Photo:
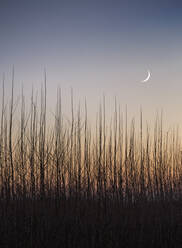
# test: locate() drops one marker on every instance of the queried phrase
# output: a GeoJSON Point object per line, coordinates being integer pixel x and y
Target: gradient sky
{"type": "Point", "coordinates": [96, 47]}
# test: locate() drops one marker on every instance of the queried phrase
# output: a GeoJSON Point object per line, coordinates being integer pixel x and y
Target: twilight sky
{"type": "Point", "coordinates": [96, 47]}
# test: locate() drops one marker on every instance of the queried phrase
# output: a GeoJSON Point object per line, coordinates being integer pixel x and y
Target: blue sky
{"type": "Point", "coordinates": [96, 47]}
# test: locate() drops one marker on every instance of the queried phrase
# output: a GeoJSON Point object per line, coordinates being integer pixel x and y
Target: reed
{"type": "Point", "coordinates": [73, 160]}
{"type": "Point", "coordinates": [71, 168]}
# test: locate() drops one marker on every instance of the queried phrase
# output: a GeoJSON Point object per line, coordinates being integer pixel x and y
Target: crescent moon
{"type": "Point", "coordinates": [147, 78]}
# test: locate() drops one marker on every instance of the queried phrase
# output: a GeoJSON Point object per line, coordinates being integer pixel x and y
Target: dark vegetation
{"type": "Point", "coordinates": [68, 184]}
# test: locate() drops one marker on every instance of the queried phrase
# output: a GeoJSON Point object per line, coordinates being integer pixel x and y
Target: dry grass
{"type": "Point", "coordinates": [69, 185]}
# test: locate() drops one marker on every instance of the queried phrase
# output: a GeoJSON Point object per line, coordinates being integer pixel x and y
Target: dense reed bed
{"type": "Point", "coordinates": [70, 184]}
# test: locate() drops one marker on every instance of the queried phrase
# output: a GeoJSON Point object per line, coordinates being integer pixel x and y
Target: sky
{"type": "Point", "coordinates": [96, 48]}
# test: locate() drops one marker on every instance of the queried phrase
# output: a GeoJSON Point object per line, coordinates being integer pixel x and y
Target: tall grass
{"type": "Point", "coordinates": [117, 161]}
{"type": "Point", "coordinates": [70, 183]}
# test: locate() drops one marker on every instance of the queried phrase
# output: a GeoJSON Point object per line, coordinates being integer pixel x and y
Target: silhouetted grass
{"type": "Point", "coordinates": [73, 185]}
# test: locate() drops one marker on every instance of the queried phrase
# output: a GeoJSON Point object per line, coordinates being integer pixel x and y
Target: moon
{"type": "Point", "coordinates": [147, 78]}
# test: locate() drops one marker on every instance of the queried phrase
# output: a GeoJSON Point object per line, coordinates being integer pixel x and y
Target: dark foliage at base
{"type": "Point", "coordinates": [86, 224]}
